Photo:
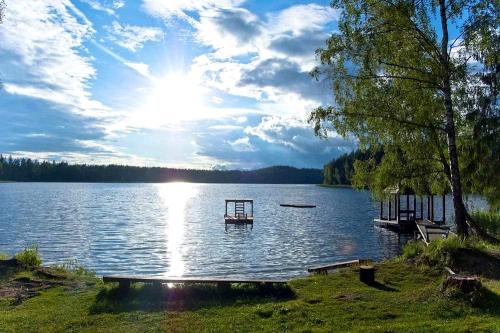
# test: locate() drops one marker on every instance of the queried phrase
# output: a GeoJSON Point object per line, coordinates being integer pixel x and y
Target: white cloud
{"type": "Point", "coordinates": [301, 18]}
{"type": "Point", "coordinates": [96, 5]}
{"type": "Point", "coordinates": [242, 145]}
{"type": "Point", "coordinates": [139, 67]}
{"type": "Point", "coordinates": [133, 37]}
{"type": "Point", "coordinates": [118, 3]}
{"type": "Point", "coordinates": [43, 41]}
{"type": "Point", "coordinates": [230, 32]}
{"type": "Point", "coordinates": [168, 8]}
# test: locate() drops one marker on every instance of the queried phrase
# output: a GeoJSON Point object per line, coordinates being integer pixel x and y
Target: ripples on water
{"type": "Point", "coordinates": [178, 229]}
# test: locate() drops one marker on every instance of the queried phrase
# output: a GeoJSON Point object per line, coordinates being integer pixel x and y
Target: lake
{"type": "Point", "coordinates": [177, 229]}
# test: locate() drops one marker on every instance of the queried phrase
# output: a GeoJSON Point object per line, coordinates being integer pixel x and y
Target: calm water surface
{"type": "Point", "coordinates": [178, 229]}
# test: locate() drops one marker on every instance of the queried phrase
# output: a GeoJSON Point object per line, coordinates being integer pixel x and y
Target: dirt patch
{"type": "Point", "coordinates": [24, 288]}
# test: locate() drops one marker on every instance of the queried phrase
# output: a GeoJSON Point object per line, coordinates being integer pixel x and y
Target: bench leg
{"type": "Point", "coordinates": [124, 285]}
{"type": "Point", "coordinates": [223, 285]}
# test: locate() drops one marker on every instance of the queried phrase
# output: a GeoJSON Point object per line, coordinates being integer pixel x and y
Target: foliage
{"type": "Point", "coordinates": [29, 257]}
{"type": "Point", "coordinates": [445, 252]}
{"type": "Point", "coordinates": [73, 267]}
{"type": "Point", "coordinates": [400, 81]}
{"type": "Point", "coordinates": [25, 169]}
{"type": "Point", "coordinates": [488, 220]}
{"type": "Point", "coordinates": [413, 249]}
{"type": "Point", "coordinates": [3, 256]}
{"type": "Point", "coordinates": [340, 170]}
{"type": "Point", "coordinates": [405, 298]}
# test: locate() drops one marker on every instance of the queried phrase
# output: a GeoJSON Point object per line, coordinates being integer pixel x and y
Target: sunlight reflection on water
{"type": "Point", "coordinates": [175, 197]}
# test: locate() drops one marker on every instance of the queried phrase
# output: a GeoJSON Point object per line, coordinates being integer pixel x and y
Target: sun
{"type": "Point", "coordinates": [177, 97]}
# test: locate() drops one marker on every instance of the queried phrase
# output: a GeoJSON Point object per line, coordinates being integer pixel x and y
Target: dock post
{"type": "Point", "coordinates": [398, 204]}
{"type": "Point", "coordinates": [124, 285]}
{"type": "Point", "coordinates": [390, 210]}
{"type": "Point", "coordinates": [421, 208]}
{"type": "Point", "coordinates": [407, 207]}
{"type": "Point", "coordinates": [432, 208]}
{"type": "Point", "coordinates": [428, 207]}
{"type": "Point", "coordinates": [381, 209]}
{"type": "Point", "coordinates": [414, 206]}
{"type": "Point", "coordinates": [444, 208]}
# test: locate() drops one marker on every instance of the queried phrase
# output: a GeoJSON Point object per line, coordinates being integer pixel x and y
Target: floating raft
{"type": "Point", "coordinates": [240, 215]}
{"type": "Point", "coordinates": [298, 205]}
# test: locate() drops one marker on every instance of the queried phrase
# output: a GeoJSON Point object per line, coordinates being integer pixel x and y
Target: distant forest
{"type": "Point", "coordinates": [27, 170]}
{"type": "Point", "coordinates": [339, 171]}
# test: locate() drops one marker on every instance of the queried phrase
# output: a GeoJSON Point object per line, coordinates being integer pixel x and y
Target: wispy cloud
{"type": "Point", "coordinates": [133, 37]}
{"type": "Point", "coordinates": [107, 6]}
{"type": "Point", "coordinates": [44, 57]}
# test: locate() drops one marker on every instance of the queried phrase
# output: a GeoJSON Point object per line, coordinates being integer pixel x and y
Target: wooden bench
{"type": "Point", "coordinates": [126, 281]}
{"type": "Point", "coordinates": [325, 268]}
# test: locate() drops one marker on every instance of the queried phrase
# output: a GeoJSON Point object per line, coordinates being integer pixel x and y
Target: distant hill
{"type": "Point", "coordinates": [339, 171]}
{"type": "Point", "coordinates": [27, 170]}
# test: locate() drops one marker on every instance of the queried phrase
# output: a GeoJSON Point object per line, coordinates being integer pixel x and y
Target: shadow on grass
{"type": "Point", "coordinates": [380, 286]}
{"type": "Point", "coordinates": [477, 262]}
{"type": "Point", "coordinates": [160, 298]}
{"type": "Point", "coordinates": [487, 302]}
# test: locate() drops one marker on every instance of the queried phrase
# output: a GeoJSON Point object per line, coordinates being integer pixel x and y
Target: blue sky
{"type": "Point", "coordinates": [180, 83]}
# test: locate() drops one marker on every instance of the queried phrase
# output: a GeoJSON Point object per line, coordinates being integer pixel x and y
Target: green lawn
{"type": "Point", "coordinates": [405, 299]}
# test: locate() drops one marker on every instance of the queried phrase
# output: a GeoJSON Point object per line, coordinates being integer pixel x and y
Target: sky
{"type": "Point", "coordinates": [180, 83]}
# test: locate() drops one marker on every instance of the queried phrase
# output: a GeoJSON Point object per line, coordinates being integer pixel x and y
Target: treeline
{"type": "Point", "coordinates": [28, 170]}
{"type": "Point", "coordinates": [339, 171]}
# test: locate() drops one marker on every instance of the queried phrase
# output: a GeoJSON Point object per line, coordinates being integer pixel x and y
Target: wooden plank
{"type": "Point", "coordinates": [298, 206]}
{"type": "Point", "coordinates": [187, 280]}
{"type": "Point", "coordinates": [333, 266]}
{"type": "Point", "coordinates": [431, 231]}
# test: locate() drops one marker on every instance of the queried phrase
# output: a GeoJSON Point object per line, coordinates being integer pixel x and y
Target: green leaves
{"type": "Point", "coordinates": [389, 76]}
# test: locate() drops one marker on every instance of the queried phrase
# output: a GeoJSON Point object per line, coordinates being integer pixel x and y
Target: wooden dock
{"type": "Point", "coordinates": [405, 220]}
{"type": "Point", "coordinates": [126, 281]}
{"type": "Point", "coordinates": [430, 231]}
{"type": "Point", "coordinates": [398, 225]}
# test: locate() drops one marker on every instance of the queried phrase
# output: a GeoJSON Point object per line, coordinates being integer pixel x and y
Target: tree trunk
{"type": "Point", "coordinates": [455, 182]}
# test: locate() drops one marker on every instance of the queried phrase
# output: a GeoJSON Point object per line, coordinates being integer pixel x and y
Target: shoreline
{"type": "Point", "coordinates": [55, 299]}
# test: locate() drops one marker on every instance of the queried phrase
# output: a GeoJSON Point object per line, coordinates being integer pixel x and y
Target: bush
{"type": "Point", "coordinates": [490, 221]}
{"type": "Point", "coordinates": [413, 249]}
{"type": "Point", "coordinates": [29, 257]}
{"type": "Point", "coordinates": [3, 256]}
{"type": "Point", "coordinates": [72, 266]}
{"type": "Point", "coordinates": [442, 251]}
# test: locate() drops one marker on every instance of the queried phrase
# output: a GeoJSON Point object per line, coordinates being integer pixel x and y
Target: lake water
{"type": "Point", "coordinates": [178, 229]}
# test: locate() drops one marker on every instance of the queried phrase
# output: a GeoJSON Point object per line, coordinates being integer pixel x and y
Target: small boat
{"type": "Point", "coordinates": [298, 206]}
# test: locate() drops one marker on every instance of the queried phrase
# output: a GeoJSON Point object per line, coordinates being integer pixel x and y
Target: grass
{"type": "Point", "coordinates": [29, 257]}
{"type": "Point", "coordinates": [489, 220]}
{"type": "Point", "coordinates": [406, 298]}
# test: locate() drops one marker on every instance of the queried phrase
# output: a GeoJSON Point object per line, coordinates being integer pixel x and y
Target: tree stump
{"type": "Point", "coordinates": [367, 274]}
{"type": "Point", "coordinates": [465, 284]}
